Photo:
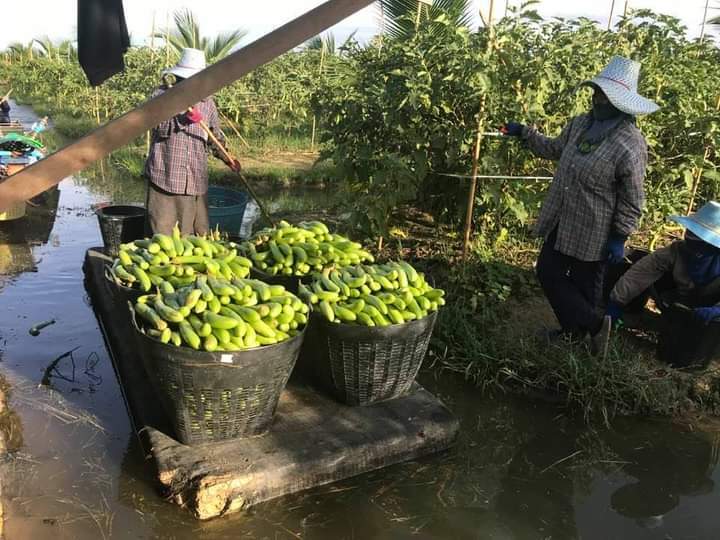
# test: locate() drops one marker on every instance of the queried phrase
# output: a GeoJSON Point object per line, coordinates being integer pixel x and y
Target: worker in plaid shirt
{"type": "Point", "coordinates": [176, 167]}
{"type": "Point", "coordinates": [594, 202]}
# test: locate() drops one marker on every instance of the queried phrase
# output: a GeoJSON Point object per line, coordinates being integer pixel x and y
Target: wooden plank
{"type": "Point", "coordinates": [313, 441]}
{"type": "Point", "coordinates": [119, 132]}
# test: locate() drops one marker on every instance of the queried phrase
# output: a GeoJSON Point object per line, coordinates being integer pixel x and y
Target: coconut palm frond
{"type": "Point", "coordinates": [186, 34]}
{"type": "Point", "coordinates": [401, 18]}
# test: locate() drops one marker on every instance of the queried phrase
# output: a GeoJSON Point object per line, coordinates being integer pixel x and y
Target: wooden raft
{"type": "Point", "coordinates": [314, 440]}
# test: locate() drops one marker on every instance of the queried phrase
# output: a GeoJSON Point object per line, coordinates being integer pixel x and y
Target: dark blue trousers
{"type": "Point", "coordinates": [573, 288]}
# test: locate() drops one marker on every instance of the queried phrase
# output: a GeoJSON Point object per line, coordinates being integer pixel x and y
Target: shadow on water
{"type": "Point", "coordinates": [520, 470]}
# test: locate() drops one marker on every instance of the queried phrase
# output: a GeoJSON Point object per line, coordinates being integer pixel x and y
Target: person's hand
{"type": "Point", "coordinates": [194, 116]}
{"type": "Point", "coordinates": [616, 249]}
{"type": "Point", "coordinates": [235, 165]}
{"type": "Point", "coordinates": [615, 311]}
{"type": "Point", "coordinates": [512, 129]}
{"type": "Point", "coordinates": [707, 314]}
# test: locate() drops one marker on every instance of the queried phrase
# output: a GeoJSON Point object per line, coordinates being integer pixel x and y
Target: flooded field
{"type": "Point", "coordinates": [520, 470]}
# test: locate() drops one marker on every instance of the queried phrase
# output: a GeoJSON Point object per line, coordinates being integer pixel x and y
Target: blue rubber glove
{"type": "Point", "coordinates": [707, 314]}
{"type": "Point", "coordinates": [512, 129]}
{"type": "Point", "coordinates": [616, 248]}
{"type": "Point", "coordinates": [615, 311]}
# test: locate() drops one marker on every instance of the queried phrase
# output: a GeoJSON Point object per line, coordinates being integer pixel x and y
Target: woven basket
{"type": "Point", "coordinates": [218, 396]}
{"type": "Point", "coordinates": [362, 365]}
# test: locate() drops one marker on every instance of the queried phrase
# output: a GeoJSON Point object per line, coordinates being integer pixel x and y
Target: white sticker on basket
{"type": "Point", "coordinates": [226, 359]}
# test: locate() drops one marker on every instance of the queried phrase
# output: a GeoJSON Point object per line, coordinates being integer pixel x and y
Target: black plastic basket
{"type": "Point", "coordinates": [119, 225]}
{"type": "Point", "coordinates": [218, 396]}
{"type": "Point", "coordinates": [686, 342]}
{"type": "Point", "coordinates": [362, 365]}
{"type": "Point", "coordinates": [291, 283]}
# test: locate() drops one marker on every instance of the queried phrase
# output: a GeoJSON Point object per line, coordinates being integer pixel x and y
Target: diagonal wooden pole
{"type": "Point", "coordinates": [80, 154]}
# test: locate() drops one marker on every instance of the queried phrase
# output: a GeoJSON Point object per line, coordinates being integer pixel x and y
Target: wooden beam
{"type": "Point", "coordinates": [80, 154]}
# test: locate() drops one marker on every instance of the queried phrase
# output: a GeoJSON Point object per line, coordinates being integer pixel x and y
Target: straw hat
{"type": "Point", "coordinates": [619, 81]}
{"type": "Point", "coordinates": [192, 61]}
{"type": "Point", "coordinates": [705, 223]}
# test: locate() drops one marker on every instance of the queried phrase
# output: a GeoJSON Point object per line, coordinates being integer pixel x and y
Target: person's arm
{"type": "Point", "coordinates": [643, 274]}
{"type": "Point", "coordinates": [547, 147]}
{"type": "Point", "coordinates": [630, 176]}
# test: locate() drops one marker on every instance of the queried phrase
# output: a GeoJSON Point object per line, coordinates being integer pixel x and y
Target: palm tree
{"type": "Point", "coordinates": [62, 50]}
{"type": "Point", "coordinates": [324, 44]}
{"type": "Point", "coordinates": [402, 18]}
{"type": "Point", "coordinates": [187, 35]}
{"type": "Point", "coordinates": [20, 51]}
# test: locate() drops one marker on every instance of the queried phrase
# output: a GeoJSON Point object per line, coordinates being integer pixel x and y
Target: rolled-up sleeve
{"type": "Point", "coordinates": [630, 176]}
{"type": "Point", "coordinates": [547, 147]}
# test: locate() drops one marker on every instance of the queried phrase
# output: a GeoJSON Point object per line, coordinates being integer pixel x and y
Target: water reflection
{"type": "Point", "coordinates": [665, 466]}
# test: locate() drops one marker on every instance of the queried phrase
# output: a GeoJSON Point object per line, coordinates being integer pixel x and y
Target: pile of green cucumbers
{"type": "Point", "coordinates": [215, 314]}
{"type": "Point", "coordinates": [298, 250]}
{"type": "Point", "coordinates": [372, 295]}
{"type": "Point", "coordinates": [145, 264]}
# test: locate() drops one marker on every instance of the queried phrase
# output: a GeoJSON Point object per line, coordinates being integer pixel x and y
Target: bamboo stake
{"type": "Point", "coordinates": [97, 105]}
{"type": "Point", "coordinates": [167, 39]}
{"type": "Point", "coordinates": [152, 39]}
{"type": "Point", "coordinates": [476, 150]}
{"type": "Point", "coordinates": [625, 10]}
{"type": "Point", "coordinates": [612, 10]}
{"type": "Point", "coordinates": [704, 21]}
{"type": "Point", "coordinates": [235, 129]}
{"type": "Point", "coordinates": [314, 119]}
{"type": "Point", "coordinates": [696, 180]}
{"type": "Point", "coordinates": [417, 19]}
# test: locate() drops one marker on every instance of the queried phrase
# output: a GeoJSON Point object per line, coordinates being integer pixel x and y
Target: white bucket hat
{"type": "Point", "coordinates": [191, 62]}
{"type": "Point", "coordinates": [619, 81]}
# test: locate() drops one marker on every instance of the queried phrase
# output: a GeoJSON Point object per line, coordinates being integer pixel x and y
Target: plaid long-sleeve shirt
{"type": "Point", "coordinates": [177, 162]}
{"type": "Point", "coordinates": [592, 195]}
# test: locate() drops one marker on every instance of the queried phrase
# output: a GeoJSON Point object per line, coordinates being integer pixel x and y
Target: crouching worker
{"type": "Point", "coordinates": [691, 267]}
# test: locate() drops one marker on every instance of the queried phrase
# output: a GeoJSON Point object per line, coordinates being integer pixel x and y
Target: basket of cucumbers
{"type": "Point", "coordinates": [369, 330]}
{"type": "Point", "coordinates": [219, 353]}
{"type": "Point", "coordinates": [289, 254]}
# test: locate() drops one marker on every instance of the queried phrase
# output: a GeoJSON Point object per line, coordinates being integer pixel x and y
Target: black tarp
{"type": "Point", "coordinates": [102, 38]}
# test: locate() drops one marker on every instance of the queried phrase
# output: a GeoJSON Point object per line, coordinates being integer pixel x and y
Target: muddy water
{"type": "Point", "coordinates": [520, 471]}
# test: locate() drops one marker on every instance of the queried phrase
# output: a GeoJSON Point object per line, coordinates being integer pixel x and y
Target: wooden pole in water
{"type": "Point", "coordinates": [46, 173]}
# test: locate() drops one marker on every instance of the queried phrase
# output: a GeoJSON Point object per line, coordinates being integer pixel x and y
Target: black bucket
{"type": "Point", "coordinates": [616, 271]}
{"type": "Point", "coordinates": [119, 225]}
{"type": "Point", "coordinates": [686, 342]}
{"type": "Point", "coordinates": [362, 365]}
{"type": "Point", "coordinates": [217, 396]}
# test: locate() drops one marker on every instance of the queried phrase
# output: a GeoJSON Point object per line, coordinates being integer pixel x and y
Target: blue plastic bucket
{"type": "Point", "coordinates": [226, 209]}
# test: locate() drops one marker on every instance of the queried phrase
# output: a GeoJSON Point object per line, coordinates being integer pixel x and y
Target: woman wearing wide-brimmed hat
{"type": "Point", "coordinates": [594, 201]}
{"type": "Point", "coordinates": [176, 167]}
{"type": "Point", "coordinates": [688, 269]}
